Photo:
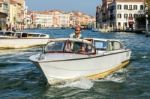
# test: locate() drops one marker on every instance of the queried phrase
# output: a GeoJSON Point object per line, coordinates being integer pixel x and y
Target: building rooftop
{"type": "Point", "coordinates": [18, 1]}
{"type": "Point", "coordinates": [129, 0]}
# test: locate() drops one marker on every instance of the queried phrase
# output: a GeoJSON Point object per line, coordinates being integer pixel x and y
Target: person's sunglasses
{"type": "Point", "coordinates": [77, 30]}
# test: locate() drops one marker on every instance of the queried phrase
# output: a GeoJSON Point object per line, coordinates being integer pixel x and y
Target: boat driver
{"type": "Point", "coordinates": [77, 33]}
{"type": "Point", "coordinates": [77, 47]}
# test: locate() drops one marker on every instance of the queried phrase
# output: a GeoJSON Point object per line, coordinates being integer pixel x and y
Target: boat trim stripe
{"type": "Point", "coordinates": [104, 74]}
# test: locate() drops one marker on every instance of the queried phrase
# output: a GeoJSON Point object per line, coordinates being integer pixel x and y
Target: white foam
{"type": "Point", "coordinates": [144, 57]}
{"type": "Point", "coordinates": [83, 83]}
{"type": "Point", "coordinates": [115, 77]}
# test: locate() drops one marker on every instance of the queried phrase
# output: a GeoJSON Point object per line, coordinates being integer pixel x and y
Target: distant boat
{"type": "Point", "coordinates": [9, 39]}
{"type": "Point", "coordinates": [65, 27]}
{"type": "Point", "coordinates": [147, 34]}
{"type": "Point", "coordinates": [95, 30]}
{"type": "Point", "coordinates": [55, 28]}
{"type": "Point", "coordinates": [68, 59]}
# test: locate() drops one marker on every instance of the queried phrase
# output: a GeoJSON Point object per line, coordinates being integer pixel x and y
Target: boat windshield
{"type": "Point", "coordinates": [55, 47]}
{"type": "Point", "coordinates": [33, 35]}
{"type": "Point", "coordinates": [1, 33]}
{"type": "Point", "coordinates": [9, 34]}
{"type": "Point", "coordinates": [43, 35]}
{"type": "Point", "coordinates": [100, 45]}
{"type": "Point", "coordinates": [70, 47]}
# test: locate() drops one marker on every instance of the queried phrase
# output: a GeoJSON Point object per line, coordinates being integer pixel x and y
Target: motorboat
{"type": "Point", "coordinates": [69, 59]}
{"type": "Point", "coordinates": [10, 39]}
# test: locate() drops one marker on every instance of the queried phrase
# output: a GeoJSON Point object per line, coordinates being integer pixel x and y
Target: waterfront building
{"type": "Point", "coordinates": [55, 17]}
{"type": "Point", "coordinates": [120, 14]}
{"type": "Point", "coordinates": [79, 18]}
{"type": "Point", "coordinates": [58, 19]}
{"type": "Point", "coordinates": [16, 14]}
{"type": "Point", "coordinates": [28, 21]}
{"type": "Point", "coordinates": [42, 20]}
{"type": "Point", "coordinates": [103, 15]}
{"type": "Point", "coordinates": [72, 19]}
{"type": "Point", "coordinates": [98, 17]}
{"type": "Point", "coordinates": [64, 20]}
{"type": "Point", "coordinates": [4, 11]}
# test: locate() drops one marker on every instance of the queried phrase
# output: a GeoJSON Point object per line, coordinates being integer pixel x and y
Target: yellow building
{"type": "Point", "coordinates": [4, 8]}
{"type": "Point", "coordinates": [16, 13]}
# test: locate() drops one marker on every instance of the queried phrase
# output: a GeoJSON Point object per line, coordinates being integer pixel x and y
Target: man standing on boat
{"type": "Point", "coordinates": [77, 33]}
{"type": "Point", "coordinates": [77, 47]}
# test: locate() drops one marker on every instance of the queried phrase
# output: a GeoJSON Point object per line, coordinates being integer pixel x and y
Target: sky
{"type": "Point", "coordinates": [85, 6]}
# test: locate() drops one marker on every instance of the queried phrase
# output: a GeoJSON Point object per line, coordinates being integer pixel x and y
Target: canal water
{"type": "Point", "coordinates": [20, 79]}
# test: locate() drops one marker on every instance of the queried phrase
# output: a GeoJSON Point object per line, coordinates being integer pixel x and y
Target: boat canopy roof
{"type": "Point", "coordinates": [101, 39]}
{"type": "Point", "coordinates": [72, 39]}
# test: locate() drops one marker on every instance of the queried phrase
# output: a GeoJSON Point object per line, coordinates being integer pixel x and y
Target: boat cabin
{"type": "Point", "coordinates": [11, 34]}
{"type": "Point", "coordinates": [106, 44]}
{"type": "Point", "coordinates": [70, 45]}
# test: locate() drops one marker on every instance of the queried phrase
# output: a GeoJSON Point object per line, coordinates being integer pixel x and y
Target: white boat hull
{"type": "Point", "coordinates": [92, 67]}
{"type": "Point", "coordinates": [21, 42]}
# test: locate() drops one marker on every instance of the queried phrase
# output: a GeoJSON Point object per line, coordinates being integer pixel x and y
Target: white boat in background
{"type": "Point", "coordinates": [95, 30]}
{"type": "Point", "coordinates": [9, 39]}
{"type": "Point", "coordinates": [68, 59]}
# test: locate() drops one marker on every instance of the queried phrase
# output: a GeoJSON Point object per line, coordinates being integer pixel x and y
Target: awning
{"type": "Point", "coordinates": [3, 15]}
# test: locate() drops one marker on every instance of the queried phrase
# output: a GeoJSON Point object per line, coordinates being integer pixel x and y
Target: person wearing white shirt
{"type": "Point", "coordinates": [77, 33]}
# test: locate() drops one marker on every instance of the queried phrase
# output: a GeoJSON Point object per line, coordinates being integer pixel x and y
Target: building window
{"type": "Point", "coordinates": [130, 15]}
{"type": "Point", "coordinates": [119, 7]}
{"type": "Point", "coordinates": [119, 24]}
{"type": "Point", "coordinates": [135, 7]}
{"type": "Point", "coordinates": [141, 7]}
{"type": "Point", "coordinates": [130, 7]}
{"type": "Point", "coordinates": [125, 16]}
{"type": "Point", "coordinates": [125, 24]}
{"type": "Point", "coordinates": [126, 7]}
{"type": "Point", "coordinates": [135, 15]}
{"type": "Point", "coordinates": [119, 16]}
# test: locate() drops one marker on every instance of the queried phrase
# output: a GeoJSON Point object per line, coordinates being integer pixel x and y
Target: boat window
{"type": "Point", "coordinates": [79, 47]}
{"type": "Point", "coordinates": [19, 35]}
{"type": "Point", "coordinates": [24, 34]}
{"type": "Point", "coordinates": [115, 45]}
{"type": "Point", "coordinates": [42, 35]}
{"type": "Point", "coordinates": [9, 34]}
{"type": "Point", "coordinates": [55, 46]}
{"type": "Point", "coordinates": [1, 33]}
{"type": "Point", "coordinates": [33, 35]}
{"type": "Point", "coordinates": [101, 45]}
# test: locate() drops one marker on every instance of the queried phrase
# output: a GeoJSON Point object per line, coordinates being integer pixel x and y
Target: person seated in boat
{"type": "Point", "coordinates": [13, 29]}
{"type": "Point", "coordinates": [78, 47]}
{"type": "Point", "coordinates": [77, 33]}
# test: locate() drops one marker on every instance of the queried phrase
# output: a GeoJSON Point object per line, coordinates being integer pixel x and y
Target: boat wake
{"type": "Point", "coordinates": [83, 83]}
{"type": "Point", "coordinates": [118, 77]}
{"type": "Point", "coordinates": [144, 57]}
